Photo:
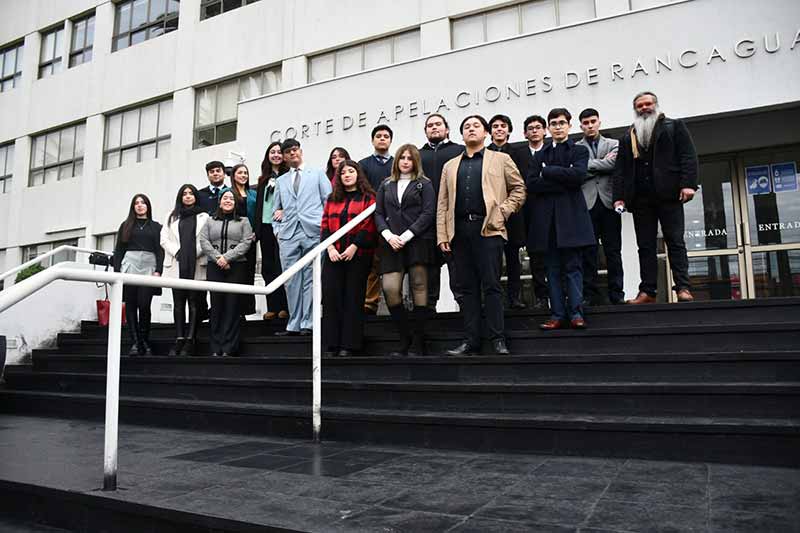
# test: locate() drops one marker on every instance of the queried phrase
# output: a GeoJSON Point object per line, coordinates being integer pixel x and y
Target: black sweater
{"type": "Point", "coordinates": [375, 170]}
{"type": "Point", "coordinates": [433, 160]}
{"type": "Point", "coordinates": [145, 238]}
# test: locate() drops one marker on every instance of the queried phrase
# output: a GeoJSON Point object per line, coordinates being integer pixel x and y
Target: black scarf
{"type": "Point", "coordinates": [187, 232]}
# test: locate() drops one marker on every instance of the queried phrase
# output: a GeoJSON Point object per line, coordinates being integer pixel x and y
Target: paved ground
{"type": "Point", "coordinates": [345, 487]}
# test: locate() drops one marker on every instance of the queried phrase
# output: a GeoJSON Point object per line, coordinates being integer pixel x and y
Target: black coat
{"type": "Point", "coordinates": [207, 201]}
{"type": "Point", "coordinates": [516, 225]}
{"type": "Point", "coordinates": [433, 160]}
{"type": "Point", "coordinates": [417, 212]}
{"type": "Point", "coordinates": [261, 189]}
{"type": "Point", "coordinates": [674, 163]}
{"type": "Point", "coordinates": [554, 193]}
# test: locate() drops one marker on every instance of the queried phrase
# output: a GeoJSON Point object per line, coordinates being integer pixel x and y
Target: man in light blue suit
{"type": "Point", "coordinates": [300, 195]}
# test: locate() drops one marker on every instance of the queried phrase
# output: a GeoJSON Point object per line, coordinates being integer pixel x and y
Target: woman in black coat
{"type": "Point", "coordinates": [405, 216]}
{"type": "Point", "coordinates": [138, 251]}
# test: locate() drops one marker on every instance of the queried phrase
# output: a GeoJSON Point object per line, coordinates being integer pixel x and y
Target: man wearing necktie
{"type": "Point", "coordinates": [300, 195]}
{"type": "Point", "coordinates": [208, 197]}
{"type": "Point", "coordinates": [377, 167]}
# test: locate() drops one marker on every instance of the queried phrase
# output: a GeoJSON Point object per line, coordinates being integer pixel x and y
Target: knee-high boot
{"type": "Point", "coordinates": [191, 335]}
{"type": "Point", "coordinates": [419, 316]}
{"type": "Point", "coordinates": [179, 316]}
{"type": "Point", "coordinates": [144, 335]}
{"type": "Point", "coordinates": [400, 318]}
{"type": "Point", "coordinates": [133, 329]}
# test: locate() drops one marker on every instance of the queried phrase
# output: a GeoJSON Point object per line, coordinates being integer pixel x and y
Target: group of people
{"type": "Point", "coordinates": [466, 206]}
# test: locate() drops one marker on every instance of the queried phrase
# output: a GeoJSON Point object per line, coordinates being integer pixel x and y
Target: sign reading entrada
{"type": "Point", "coordinates": [688, 58]}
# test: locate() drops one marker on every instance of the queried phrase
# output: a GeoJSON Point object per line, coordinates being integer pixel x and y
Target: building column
{"type": "Point", "coordinates": [92, 165]}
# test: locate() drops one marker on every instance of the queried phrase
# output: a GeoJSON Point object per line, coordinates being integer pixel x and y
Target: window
{"type": "Point", "coordinates": [52, 51]}
{"type": "Point", "coordinates": [57, 155]}
{"type": "Point", "coordinates": [10, 66]}
{"type": "Point", "coordinates": [523, 18]}
{"type": "Point", "coordinates": [2, 267]}
{"type": "Point", "coordinates": [212, 8]}
{"type": "Point", "coordinates": [106, 242]}
{"type": "Point", "coordinates": [80, 49]}
{"type": "Point", "coordinates": [373, 54]}
{"type": "Point", "coordinates": [6, 167]}
{"type": "Point", "coordinates": [215, 108]}
{"type": "Point", "coordinates": [35, 250]}
{"type": "Point", "coordinates": [138, 134]}
{"type": "Point", "coordinates": [137, 21]}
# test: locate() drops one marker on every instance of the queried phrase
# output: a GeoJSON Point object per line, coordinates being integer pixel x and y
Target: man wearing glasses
{"type": "Point", "coordinates": [560, 223]}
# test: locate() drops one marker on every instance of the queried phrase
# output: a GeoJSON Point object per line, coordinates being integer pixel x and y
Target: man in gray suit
{"type": "Point", "coordinates": [300, 195]}
{"type": "Point", "coordinates": [597, 191]}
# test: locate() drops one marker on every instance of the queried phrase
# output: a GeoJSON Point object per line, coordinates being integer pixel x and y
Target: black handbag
{"type": "Point", "coordinates": [101, 259]}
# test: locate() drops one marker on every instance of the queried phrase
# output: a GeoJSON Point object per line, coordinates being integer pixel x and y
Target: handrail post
{"type": "Point", "coordinates": [112, 388]}
{"type": "Point", "coordinates": [316, 350]}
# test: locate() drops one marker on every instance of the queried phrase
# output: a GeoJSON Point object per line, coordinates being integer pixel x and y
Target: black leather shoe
{"type": "Point", "coordinates": [541, 305]}
{"type": "Point", "coordinates": [463, 349]}
{"type": "Point", "coordinates": [500, 347]}
{"type": "Point", "coordinates": [215, 354]}
{"type": "Point", "coordinates": [345, 353]}
{"type": "Point", "coordinates": [305, 332]}
{"type": "Point", "coordinates": [286, 333]}
{"type": "Point", "coordinates": [225, 354]}
{"type": "Point", "coordinates": [516, 303]}
{"type": "Point", "coordinates": [330, 353]}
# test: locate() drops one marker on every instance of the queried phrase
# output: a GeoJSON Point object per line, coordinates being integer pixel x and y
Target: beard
{"type": "Point", "coordinates": [644, 125]}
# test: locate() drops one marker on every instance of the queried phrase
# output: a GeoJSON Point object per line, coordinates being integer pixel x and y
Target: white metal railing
{"type": "Point", "coordinates": [25, 288]}
{"type": "Point", "coordinates": [51, 253]}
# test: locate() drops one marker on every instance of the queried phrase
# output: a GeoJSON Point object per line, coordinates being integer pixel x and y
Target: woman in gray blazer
{"type": "Point", "coordinates": [225, 241]}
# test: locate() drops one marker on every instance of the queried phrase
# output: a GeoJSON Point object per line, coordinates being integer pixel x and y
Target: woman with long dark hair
{"type": "Point", "coordinates": [225, 241]}
{"type": "Point", "coordinates": [138, 251]}
{"type": "Point", "coordinates": [183, 258]}
{"type": "Point", "coordinates": [404, 216]}
{"type": "Point", "coordinates": [335, 158]}
{"type": "Point", "coordinates": [271, 168]}
{"type": "Point", "coordinates": [348, 261]}
{"type": "Point", "coordinates": [245, 198]}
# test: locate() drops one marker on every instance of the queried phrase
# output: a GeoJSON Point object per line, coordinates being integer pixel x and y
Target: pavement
{"type": "Point", "coordinates": [338, 486]}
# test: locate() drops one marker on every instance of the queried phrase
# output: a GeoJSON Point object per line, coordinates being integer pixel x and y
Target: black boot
{"type": "Point", "coordinates": [191, 337]}
{"type": "Point", "coordinates": [144, 336]}
{"type": "Point", "coordinates": [400, 318]}
{"type": "Point", "coordinates": [179, 316]}
{"type": "Point", "coordinates": [133, 330]}
{"type": "Point", "coordinates": [419, 316]}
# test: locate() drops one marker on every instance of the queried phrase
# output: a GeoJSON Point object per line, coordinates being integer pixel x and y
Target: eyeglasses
{"type": "Point", "coordinates": [537, 127]}
{"type": "Point", "coordinates": [558, 123]}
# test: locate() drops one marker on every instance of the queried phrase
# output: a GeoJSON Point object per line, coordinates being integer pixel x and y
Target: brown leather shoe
{"type": "Point", "coordinates": [551, 324]}
{"type": "Point", "coordinates": [685, 296]}
{"type": "Point", "coordinates": [270, 315]}
{"type": "Point", "coordinates": [642, 298]}
{"type": "Point", "coordinates": [578, 323]}
{"type": "Point", "coordinates": [283, 314]}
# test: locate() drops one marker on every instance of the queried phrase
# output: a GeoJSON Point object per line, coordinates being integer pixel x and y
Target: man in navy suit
{"type": "Point", "coordinates": [560, 224]}
{"type": "Point", "coordinates": [208, 197]}
{"type": "Point", "coordinates": [300, 195]}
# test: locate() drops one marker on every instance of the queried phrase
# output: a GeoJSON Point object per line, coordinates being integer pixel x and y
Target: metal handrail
{"type": "Point", "coordinates": [39, 258]}
{"type": "Point", "coordinates": [61, 271]}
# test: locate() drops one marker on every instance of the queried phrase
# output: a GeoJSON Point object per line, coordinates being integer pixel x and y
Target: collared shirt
{"type": "Point", "coordinates": [469, 189]}
{"type": "Point", "coordinates": [382, 158]}
{"type": "Point", "coordinates": [592, 144]}
{"type": "Point", "coordinates": [534, 150]}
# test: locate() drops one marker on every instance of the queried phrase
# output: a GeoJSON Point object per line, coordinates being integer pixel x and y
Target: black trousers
{"type": "Point", "coordinates": [478, 262]}
{"type": "Point", "coordinates": [247, 302]}
{"type": "Point", "coordinates": [647, 213]}
{"type": "Point", "coordinates": [225, 309]}
{"type": "Point", "coordinates": [608, 230]}
{"type": "Point", "coordinates": [344, 285]}
{"type": "Point", "coordinates": [271, 268]}
{"type": "Point", "coordinates": [179, 300]}
{"type": "Point", "coordinates": [137, 307]}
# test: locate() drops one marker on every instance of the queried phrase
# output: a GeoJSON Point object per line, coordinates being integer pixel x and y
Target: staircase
{"type": "Point", "coordinates": [706, 381]}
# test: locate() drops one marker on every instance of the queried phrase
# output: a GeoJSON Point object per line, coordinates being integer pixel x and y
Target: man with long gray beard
{"type": "Point", "coordinates": [655, 174]}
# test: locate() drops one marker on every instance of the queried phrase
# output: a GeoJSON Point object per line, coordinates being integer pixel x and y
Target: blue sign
{"type": "Point", "coordinates": [784, 177]}
{"type": "Point", "coordinates": [758, 181]}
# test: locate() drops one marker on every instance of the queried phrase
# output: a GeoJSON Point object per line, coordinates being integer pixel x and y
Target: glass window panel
{"type": "Point", "coordinates": [227, 95]}
{"type": "Point", "coordinates": [37, 178]}
{"type": "Point", "coordinates": [272, 81]}
{"type": "Point", "coordinates": [468, 31]}
{"type": "Point", "coordinates": [378, 53]}
{"type": "Point", "coordinates": [226, 133]}
{"type": "Point", "coordinates": [7, 85]}
{"type": "Point", "coordinates": [205, 106]}
{"type": "Point", "coordinates": [406, 46]}
{"type": "Point", "coordinates": [46, 71]}
{"type": "Point", "coordinates": [776, 273]}
{"type": "Point", "coordinates": [76, 60]}
{"type": "Point", "coordinates": [165, 118]}
{"type": "Point", "coordinates": [204, 137]}
{"type": "Point", "coordinates": [10, 159]}
{"type": "Point", "coordinates": [138, 37]}
{"type": "Point", "coordinates": [173, 6]}
{"type": "Point", "coordinates": [57, 65]}
{"type": "Point", "coordinates": [111, 160]}
{"type": "Point", "coordinates": [709, 218]}
{"type": "Point", "coordinates": [51, 148]}
{"type": "Point", "coordinates": [48, 43]}
{"type": "Point", "coordinates": [18, 65]}
{"type": "Point", "coordinates": [163, 148]}
{"type": "Point", "coordinates": [3, 157]}
{"type": "Point", "coordinates": [59, 46]}
{"type": "Point", "coordinates": [139, 16]}
{"type": "Point", "coordinates": [775, 217]}
{"type": "Point", "coordinates": [123, 22]}
{"type": "Point", "coordinates": [113, 130]}
{"type": "Point", "coordinates": [211, 10]}
{"type": "Point", "coordinates": [502, 23]}
{"type": "Point", "coordinates": [65, 171]}
{"type": "Point", "coordinates": [156, 31]}
{"type": "Point", "coordinates": [348, 60]}
{"type": "Point", "coordinates": [227, 5]}
{"type": "Point", "coordinates": [90, 31]}
{"type": "Point", "coordinates": [321, 68]}
{"type": "Point", "coordinates": [78, 168]}
{"type": "Point", "coordinates": [78, 34]}
{"type": "Point", "coordinates": [158, 9]}
{"type": "Point", "coordinates": [148, 152]}
{"type": "Point", "coordinates": [38, 152]}
{"type": "Point", "coordinates": [87, 55]}
{"type": "Point", "coordinates": [171, 25]}
{"type": "Point", "coordinates": [121, 42]}
{"type": "Point", "coordinates": [51, 175]}
{"type": "Point", "coordinates": [10, 62]}
{"type": "Point", "coordinates": [715, 277]}
{"type": "Point", "coordinates": [538, 15]}
{"type": "Point", "coordinates": [66, 150]}
{"type": "Point", "coordinates": [570, 11]}
{"type": "Point", "coordinates": [130, 156]}
{"type": "Point", "coordinates": [250, 86]}
{"type": "Point", "coordinates": [149, 121]}
{"type": "Point", "coordinates": [130, 127]}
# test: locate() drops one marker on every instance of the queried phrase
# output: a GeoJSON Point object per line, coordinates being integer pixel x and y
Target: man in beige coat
{"type": "Point", "coordinates": [479, 190]}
